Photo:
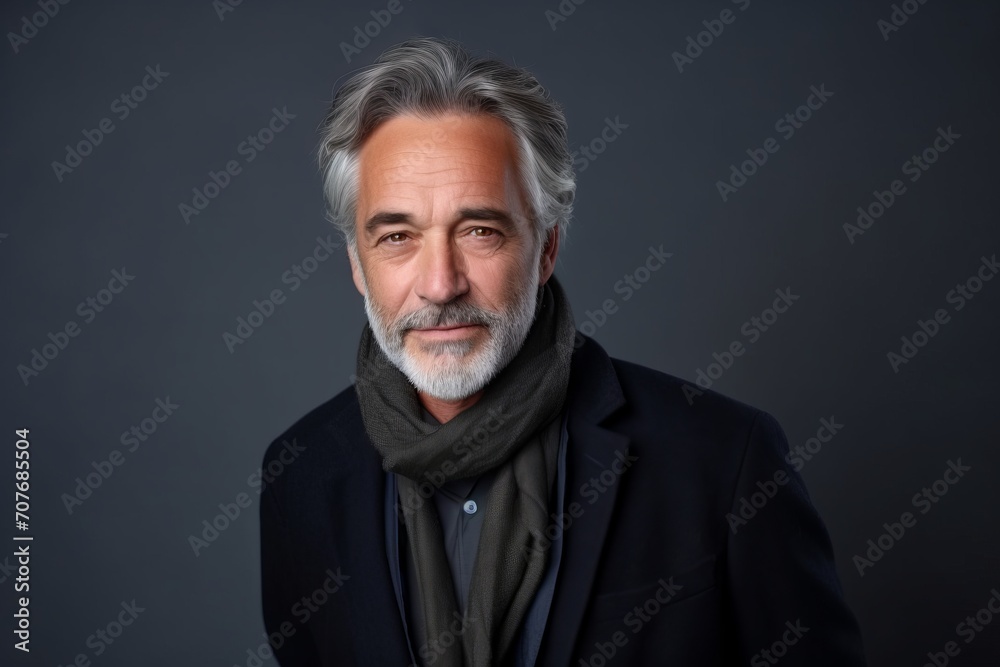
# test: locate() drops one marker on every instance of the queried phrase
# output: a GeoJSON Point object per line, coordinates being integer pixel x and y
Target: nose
{"type": "Point", "coordinates": [442, 269]}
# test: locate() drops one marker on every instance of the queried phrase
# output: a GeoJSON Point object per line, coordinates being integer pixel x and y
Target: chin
{"type": "Point", "coordinates": [449, 377]}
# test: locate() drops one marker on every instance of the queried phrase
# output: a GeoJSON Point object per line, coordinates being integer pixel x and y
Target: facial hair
{"type": "Point", "coordinates": [451, 370]}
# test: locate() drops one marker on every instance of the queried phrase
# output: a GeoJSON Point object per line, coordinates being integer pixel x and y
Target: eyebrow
{"type": "Point", "coordinates": [476, 213]}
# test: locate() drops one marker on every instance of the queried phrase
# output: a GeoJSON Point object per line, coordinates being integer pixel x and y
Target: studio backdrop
{"type": "Point", "coordinates": [791, 203]}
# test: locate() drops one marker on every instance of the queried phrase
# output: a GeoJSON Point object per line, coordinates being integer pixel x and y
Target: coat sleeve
{"type": "Point", "coordinates": [785, 594]}
{"type": "Point", "coordinates": [295, 647]}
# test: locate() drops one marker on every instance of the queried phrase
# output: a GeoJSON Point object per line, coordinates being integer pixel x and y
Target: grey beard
{"type": "Point", "coordinates": [454, 376]}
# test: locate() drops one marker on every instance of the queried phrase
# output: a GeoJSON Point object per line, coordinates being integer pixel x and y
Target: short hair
{"type": "Point", "coordinates": [430, 77]}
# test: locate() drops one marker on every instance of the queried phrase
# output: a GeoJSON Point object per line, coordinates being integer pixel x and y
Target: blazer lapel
{"type": "Point", "coordinates": [595, 394]}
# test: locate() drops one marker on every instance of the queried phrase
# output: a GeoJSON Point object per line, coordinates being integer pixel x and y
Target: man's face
{"type": "Point", "coordinates": [449, 266]}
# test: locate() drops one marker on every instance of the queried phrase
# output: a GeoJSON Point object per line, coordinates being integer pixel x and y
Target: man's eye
{"type": "Point", "coordinates": [487, 232]}
{"type": "Point", "coordinates": [395, 237]}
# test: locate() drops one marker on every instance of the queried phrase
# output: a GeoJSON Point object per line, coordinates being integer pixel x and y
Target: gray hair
{"type": "Point", "coordinates": [430, 77]}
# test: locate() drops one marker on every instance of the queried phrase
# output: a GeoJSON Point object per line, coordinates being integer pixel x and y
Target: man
{"type": "Point", "coordinates": [494, 489]}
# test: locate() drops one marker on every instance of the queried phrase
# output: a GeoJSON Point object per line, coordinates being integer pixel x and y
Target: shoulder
{"type": "Point", "coordinates": [677, 427]}
{"type": "Point", "coordinates": [323, 433]}
{"type": "Point", "coordinates": [693, 446]}
{"type": "Point", "coordinates": [661, 400]}
{"type": "Point", "coordinates": [685, 432]}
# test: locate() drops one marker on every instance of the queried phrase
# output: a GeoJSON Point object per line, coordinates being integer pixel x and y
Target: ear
{"type": "Point", "coordinates": [548, 257]}
{"type": "Point", "coordinates": [352, 255]}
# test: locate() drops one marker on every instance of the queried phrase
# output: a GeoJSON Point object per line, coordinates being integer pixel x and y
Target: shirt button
{"type": "Point", "coordinates": [470, 507]}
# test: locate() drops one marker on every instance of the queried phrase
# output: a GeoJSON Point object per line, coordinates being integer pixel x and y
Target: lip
{"type": "Point", "coordinates": [450, 331]}
{"type": "Point", "coordinates": [447, 328]}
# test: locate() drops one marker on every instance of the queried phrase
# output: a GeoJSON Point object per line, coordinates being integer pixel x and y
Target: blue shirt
{"type": "Point", "coordinates": [464, 526]}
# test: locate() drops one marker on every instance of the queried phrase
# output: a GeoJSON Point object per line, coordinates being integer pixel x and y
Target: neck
{"type": "Point", "coordinates": [445, 411]}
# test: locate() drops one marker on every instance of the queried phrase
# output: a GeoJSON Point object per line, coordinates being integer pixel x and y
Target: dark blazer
{"type": "Point", "coordinates": [652, 572]}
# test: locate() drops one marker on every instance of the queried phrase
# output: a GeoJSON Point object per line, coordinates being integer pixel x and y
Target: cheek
{"type": "Point", "coordinates": [389, 290]}
{"type": "Point", "coordinates": [497, 286]}
{"type": "Point", "coordinates": [510, 271]}
{"type": "Point", "coordinates": [492, 278]}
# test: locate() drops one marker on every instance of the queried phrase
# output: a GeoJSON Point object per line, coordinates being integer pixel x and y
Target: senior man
{"type": "Point", "coordinates": [494, 489]}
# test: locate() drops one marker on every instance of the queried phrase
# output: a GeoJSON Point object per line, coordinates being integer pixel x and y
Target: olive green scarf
{"type": "Point", "coordinates": [526, 398]}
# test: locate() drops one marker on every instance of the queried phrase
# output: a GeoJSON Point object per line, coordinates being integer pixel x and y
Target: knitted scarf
{"type": "Point", "coordinates": [513, 428]}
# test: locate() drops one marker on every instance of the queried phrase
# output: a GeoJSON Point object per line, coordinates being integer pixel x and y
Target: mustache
{"type": "Point", "coordinates": [457, 312]}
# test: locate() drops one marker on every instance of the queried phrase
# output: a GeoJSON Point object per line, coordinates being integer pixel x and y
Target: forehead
{"type": "Point", "coordinates": [475, 152]}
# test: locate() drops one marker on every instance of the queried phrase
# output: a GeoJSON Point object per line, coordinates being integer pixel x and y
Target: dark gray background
{"type": "Point", "coordinates": [162, 336]}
